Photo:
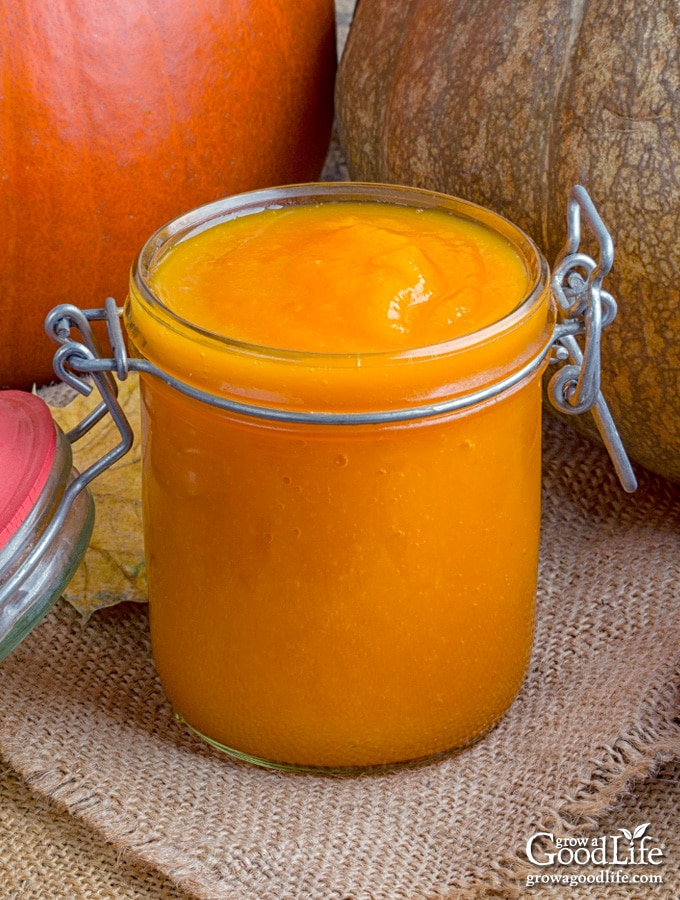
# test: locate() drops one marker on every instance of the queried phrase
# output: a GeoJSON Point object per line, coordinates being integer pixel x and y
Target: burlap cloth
{"type": "Point", "coordinates": [591, 743]}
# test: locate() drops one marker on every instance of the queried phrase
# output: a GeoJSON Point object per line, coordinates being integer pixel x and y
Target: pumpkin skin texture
{"type": "Point", "coordinates": [509, 105]}
{"type": "Point", "coordinates": [118, 116]}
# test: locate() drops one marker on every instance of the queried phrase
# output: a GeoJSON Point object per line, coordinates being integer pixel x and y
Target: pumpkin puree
{"type": "Point", "coordinates": [324, 595]}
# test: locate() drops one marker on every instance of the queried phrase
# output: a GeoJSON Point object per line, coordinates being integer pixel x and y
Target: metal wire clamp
{"type": "Point", "coordinates": [583, 308]}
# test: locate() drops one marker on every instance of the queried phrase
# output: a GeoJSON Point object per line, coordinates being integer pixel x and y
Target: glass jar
{"type": "Point", "coordinates": [342, 547]}
{"type": "Point", "coordinates": [346, 578]}
{"type": "Point", "coordinates": [45, 519]}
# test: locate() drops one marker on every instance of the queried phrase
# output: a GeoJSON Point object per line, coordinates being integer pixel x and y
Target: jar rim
{"type": "Point", "coordinates": [202, 218]}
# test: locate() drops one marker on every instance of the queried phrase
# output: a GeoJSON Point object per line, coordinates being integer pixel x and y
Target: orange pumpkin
{"type": "Point", "coordinates": [117, 116]}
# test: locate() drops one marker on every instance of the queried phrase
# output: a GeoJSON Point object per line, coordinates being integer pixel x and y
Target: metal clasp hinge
{"type": "Point", "coordinates": [74, 358]}
{"type": "Point", "coordinates": [584, 309]}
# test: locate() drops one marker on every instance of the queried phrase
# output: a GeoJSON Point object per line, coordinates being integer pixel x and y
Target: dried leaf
{"type": "Point", "coordinates": [113, 569]}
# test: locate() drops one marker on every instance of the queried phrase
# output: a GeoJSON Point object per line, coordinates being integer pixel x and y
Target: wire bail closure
{"type": "Point", "coordinates": [583, 309]}
{"type": "Point", "coordinates": [58, 325]}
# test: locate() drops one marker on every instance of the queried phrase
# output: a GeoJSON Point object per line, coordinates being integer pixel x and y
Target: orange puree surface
{"type": "Point", "coordinates": [332, 595]}
{"type": "Point", "coordinates": [343, 278]}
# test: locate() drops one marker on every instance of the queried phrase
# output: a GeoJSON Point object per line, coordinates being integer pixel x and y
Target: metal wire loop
{"type": "Point", "coordinates": [72, 363]}
{"type": "Point", "coordinates": [576, 283]}
{"type": "Point", "coordinates": [584, 309]}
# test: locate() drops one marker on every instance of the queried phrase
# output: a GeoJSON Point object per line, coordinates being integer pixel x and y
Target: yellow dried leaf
{"type": "Point", "coordinates": [113, 569]}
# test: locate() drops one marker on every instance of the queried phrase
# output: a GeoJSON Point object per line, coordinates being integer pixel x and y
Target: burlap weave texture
{"type": "Point", "coordinates": [84, 720]}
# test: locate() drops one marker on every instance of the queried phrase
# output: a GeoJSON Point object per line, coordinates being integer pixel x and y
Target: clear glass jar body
{"type": "Point", "coordinates": [332, 595]}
